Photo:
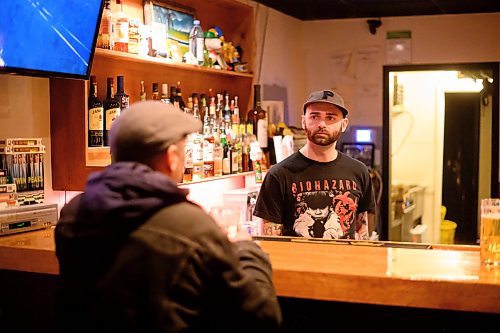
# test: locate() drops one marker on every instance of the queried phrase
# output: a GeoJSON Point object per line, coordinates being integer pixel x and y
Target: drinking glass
{"type": "Point", "coordinates": [490, 232]}
{"type": "Point", "coordinates": [227, 217]}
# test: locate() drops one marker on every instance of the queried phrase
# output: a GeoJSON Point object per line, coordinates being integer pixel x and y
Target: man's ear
{"type": "Point", "coordinates": [344, 124]}
{"type": "Point", "coordinates": [172, 156]}
{"type": "Point", "coordinates": [303, 121]}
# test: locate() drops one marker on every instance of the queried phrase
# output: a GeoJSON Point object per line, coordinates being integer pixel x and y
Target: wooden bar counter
{"type": "Point", "coordinates": [361, 272]}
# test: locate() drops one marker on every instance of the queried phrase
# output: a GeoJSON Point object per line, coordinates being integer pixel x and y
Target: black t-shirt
{"type": "Point", "coordinates": [316, 199]}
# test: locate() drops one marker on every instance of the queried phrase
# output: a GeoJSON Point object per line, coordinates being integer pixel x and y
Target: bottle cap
{"type": "Point", "coordinates": [195, 22]}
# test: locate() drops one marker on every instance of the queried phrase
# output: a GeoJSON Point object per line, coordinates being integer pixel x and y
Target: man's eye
{"type": "Point", "coordinates": [330, 118]}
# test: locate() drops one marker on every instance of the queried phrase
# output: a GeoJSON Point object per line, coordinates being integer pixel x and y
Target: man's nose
{"type": "Point", "coordinates": [322, 123]}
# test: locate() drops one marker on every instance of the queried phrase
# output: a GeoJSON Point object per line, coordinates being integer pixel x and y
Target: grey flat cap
{"type": "Point", "coordinates": [147, 128]}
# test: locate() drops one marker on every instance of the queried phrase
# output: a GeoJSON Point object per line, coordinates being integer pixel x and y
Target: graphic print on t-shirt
{"type": "Point", "coordinates": [325, 208]}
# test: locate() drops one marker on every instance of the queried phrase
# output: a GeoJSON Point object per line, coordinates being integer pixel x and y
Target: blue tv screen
{"type": "Point", "coordinates": [52, 38]}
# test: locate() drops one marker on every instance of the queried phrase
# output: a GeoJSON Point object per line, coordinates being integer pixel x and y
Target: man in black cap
{"type": "Point", "coordinates": [318, 191]}
{"type": "Point", "coordinates": [136, 256]}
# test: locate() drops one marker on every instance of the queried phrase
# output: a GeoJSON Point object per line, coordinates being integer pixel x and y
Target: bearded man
{"type": "Point", "coordinates": [316, 164]}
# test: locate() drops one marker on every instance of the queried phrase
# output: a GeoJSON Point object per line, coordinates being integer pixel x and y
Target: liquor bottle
{"type": "Point", "coordinates": [105, 38]}
{"type": "Point", "coordinates": [258, 119]}
{"type": "Point", "coordinates": [164, 93]}
{"type": "Point", "coordinates": [188, 161]}
{"type": "Point", "coordinates": [218, 154]}
{"type": "Point", "coordinates": [227, 111]}
{"type": "Point", "coordinates": [226, 155]}
{"type": "Point", "coordinates": [182, 105]}
{"type": "Point", "coordinates": [212, 114]}
{"type": "Point", "coordinates": [197, 42]}
{"type": "Point", "coordinates": [245, 153]}
{"type": "Point", "coordinates": [121, 29]}
{"type": "Point", "coordinates": [203, 105]}
{"type": "Point", "coordinates": [111, 109]}
{"type": "Point", "coordinates": [142, 97]}
{"type": "Point", "coordinates": [196, 108]}
{"type": "Point", "coordinates": [235, 117]}
{"type": "Point", "coordinates": [234, 156]}
{"type": "Point", "coordinates": [208, 153]}
{"type": "Point", "coordinates": [256, 158]}
{"type": "Point", "coordinates": [95, 114]}
{"type": "Point", "coordinates": [156, 94]}
{"type": "Point", "coordinates": [173, 97]}
{"type": "Point", "coordinates": [197, 157]}
{"type": "Point", "coordinates": [120, 95]}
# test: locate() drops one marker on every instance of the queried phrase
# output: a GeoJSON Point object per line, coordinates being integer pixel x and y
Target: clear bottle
{"type": "Point", "coordinates": [120, 95]}
{"type": "Point", "coordinates": [197, 42]}
{"type": "Point", "coordinates": [95, 114]}
{"type": "Point", "coordinates": [111, 109]}
{"type": "Point", "coordinates": [105, 38]}
{"type": "Point", "coordinates": [208, 153]}
{"type": "Point", "coordinates": [198, 173]}
{"type": "Point", "coordinates": [121, 29]}
{"type": "Point", "coordinates": [188, 161]}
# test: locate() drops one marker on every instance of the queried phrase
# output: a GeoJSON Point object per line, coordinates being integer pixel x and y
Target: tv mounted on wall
{"type": "Point", "coordinates": [49, 38]}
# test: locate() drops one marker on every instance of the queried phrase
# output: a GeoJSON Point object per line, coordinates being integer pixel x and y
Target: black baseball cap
{"type": "Point", "coordinates": [326, 96]}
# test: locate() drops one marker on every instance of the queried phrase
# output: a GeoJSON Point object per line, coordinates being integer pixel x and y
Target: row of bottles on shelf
{"type": "Point", "coordinates": [120, 33]}
{"type": "Point", "coordinates": [222, 148]}
{"type": "Point", "coordinates": [117, 31]}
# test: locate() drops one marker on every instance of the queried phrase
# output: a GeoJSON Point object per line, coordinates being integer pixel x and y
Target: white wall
{"type": "Point", "coordinates": [435, 39]}
{"type": "Point", "coordinates": [282, 62]}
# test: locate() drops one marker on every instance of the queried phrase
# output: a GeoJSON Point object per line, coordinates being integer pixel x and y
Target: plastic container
{"type": "Point", "coordinates": [417, 232]}
{"type": "Point", "coordinates": [448, 232]}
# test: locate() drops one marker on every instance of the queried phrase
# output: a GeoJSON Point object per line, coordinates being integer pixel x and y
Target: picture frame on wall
{"type": "Point", "coordinates": [170, 24]}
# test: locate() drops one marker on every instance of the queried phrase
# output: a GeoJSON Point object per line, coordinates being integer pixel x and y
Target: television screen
{"type": "Point", "coordinates": [363, 152]}
{"type": "Point", "coordinates": [49, 37]}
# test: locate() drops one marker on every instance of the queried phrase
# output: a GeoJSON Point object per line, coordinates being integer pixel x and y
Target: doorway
{"type": "Point", "coordinates": [461, 163]}
{"type": "Point", "coordinates": [421, 102]}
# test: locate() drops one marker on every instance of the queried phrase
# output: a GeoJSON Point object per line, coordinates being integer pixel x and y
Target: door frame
{"type": "Point", "coordinates": [386, 160]}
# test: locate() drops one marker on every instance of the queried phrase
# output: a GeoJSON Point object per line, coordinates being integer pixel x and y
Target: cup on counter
{"type": "Point", "coordinates": [490, 233]}
{"type": "Point", "coordinates": [227, 217]}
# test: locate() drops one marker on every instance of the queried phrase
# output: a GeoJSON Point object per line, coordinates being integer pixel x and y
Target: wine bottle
{"type": "Point", "coordinates": [95, 114]}
{"type": "Point", "coordinates": [156, 93]}
{"type": "Point", "coordinates": [111, 109]}
{"type": "Point", "coordinates": [258, 119]}
{"type": "Point", "coordinates": [120, 95]}
{"type": "Point", "coordinates": [142, 96]}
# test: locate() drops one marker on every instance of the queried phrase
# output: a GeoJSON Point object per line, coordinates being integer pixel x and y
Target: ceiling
{"type": "Point", "coordinates": [340, 9]}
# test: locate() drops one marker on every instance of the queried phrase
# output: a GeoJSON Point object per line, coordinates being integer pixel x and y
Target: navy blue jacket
{"type": "Point", "coordinates": [136, 256]}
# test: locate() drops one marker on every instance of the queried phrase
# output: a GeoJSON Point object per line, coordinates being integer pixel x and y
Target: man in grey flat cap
{"type": "Point", "coordinates": [318, 191]}
{"type": "Point", "coordinates": [136, 256]}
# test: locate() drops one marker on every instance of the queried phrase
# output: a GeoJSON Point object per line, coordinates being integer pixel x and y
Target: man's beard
{"type": "Point", "coordinates": [326, 139]}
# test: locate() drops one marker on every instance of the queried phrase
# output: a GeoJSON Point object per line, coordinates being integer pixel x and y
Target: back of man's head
{"type": "Point", "coordinates": [146, 129]}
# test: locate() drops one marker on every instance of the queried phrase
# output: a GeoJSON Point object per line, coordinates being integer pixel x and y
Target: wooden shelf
{"type": "Point", "coordinates": [122, 56]}
{"type": "Point", "coordinates": [72, 161]}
